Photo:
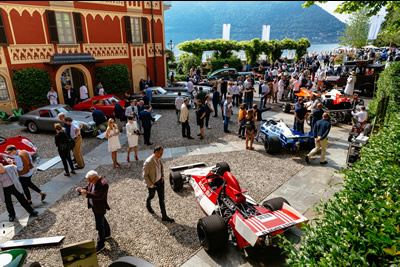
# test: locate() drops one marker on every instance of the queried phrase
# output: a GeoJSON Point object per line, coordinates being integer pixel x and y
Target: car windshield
{"type": "Point", "coordinates": [161, 91]}
{"type": "Point", "coordinates": [109, 100]}
{"type": "Point", "coordinates": [64, 109]}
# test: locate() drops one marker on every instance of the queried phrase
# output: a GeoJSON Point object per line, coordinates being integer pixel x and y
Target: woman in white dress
{"type": "Point", "coordinates": [113, 141]}
{"type": "Point", "coordinates": [132, 132]}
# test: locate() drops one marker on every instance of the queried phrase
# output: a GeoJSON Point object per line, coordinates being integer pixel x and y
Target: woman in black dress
{"type": "Point", "coordinates": [64, 149]}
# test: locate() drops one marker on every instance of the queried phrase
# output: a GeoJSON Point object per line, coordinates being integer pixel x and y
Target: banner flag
{"type": "Point", "coordinates": [226, 29]}
{"type": "Point", "coordinates": [375, 27]}
{"type": "Point", "coordinates": [265, 32]}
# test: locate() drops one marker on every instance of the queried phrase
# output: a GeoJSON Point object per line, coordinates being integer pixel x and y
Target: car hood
{"type": "Point", "coordinates": [82, 116]}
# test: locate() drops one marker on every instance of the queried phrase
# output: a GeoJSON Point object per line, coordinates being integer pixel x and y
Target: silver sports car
{"type": "Point", "coordinates": [45, 117]}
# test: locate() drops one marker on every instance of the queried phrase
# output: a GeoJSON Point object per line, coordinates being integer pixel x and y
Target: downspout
{"type": "Point", "coordinates": [154, 44]}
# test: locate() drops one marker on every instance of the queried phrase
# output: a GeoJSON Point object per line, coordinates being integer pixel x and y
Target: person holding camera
{"type": "Point", "coordinates": [96, 192]}
{"type": "Point", "coordinates": [153, 173]}
{"type": "Point", "coordinates": [132, 132]}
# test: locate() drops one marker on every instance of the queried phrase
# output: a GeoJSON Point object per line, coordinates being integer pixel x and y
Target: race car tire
{"type": "Point", "coordinates": [287, 107]}
{"type": "Point", "coordinates": [176, 181]}
{"type": "Point", "coordinates": [129, 261]}
{"type": "Point", "coordinates": [350, 138]}
{"type": "Point", "coordinates": [212, 232]}
{"type": "Point", "coordinates": [222, 168]}
{"type": "Point", "coordinates": [274, 204]}
{"type": "Point", "coordinates": [272, 144]}
{"type": "Point", "coordinates": [308, 119]}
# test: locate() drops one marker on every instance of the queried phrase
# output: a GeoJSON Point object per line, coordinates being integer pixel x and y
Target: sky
{"type": "Point", "coordinates": [331, 5]}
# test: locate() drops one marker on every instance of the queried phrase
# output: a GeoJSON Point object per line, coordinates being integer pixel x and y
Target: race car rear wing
{"type": "Point", "coordinates": [188, 166]}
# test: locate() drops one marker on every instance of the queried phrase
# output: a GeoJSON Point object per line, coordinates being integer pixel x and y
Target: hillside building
{"type": "Point", "coordinates": [71, 38]}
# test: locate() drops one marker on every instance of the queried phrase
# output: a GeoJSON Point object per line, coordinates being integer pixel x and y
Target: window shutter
{"type": "Point", "coordinates": [52, 26]}
{"type": "Point", "coordinates": [3, 35]}
{"type": "Point", "coordinates": [128, 31]}
{"type": "Point", "coordinates": [78, 27]}
{"type": "Point", "coordinates": [144, 31]}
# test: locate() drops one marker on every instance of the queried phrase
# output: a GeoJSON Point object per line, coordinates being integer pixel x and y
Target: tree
{"type": "Point", "coordinates": [187, 61]}
{"type": "Point", "coordinates": [389, 37]}
{"type": "Point", "coordinates": [356, 32]}
{"type": "Point", "coordinates": [252, 50]}
{"type": "Point", "coordinates": [195, 47]}
{"type": "Point", "coordinates": [372, 8]}
{"type": "Point", "coordinates": [301, 47]}
{"type": "Point", "coordinates": [114, 77]}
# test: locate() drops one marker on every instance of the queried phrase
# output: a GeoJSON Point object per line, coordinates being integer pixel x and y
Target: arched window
{"type": "Point", "coordinates": [4, 95]}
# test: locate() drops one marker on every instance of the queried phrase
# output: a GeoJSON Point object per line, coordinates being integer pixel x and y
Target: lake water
{"type": "Point", "coordinates": [314, 48]}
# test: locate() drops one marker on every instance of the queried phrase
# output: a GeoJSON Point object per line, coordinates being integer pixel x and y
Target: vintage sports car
{"type": "Point", "coordinates": [232, 215]}
{"type": "Point", "coordinates": [45, 117]}
{"type": "Point", "coordinates": [276, 135]}
{"type": "Point", "coordinates": [162, 98]}
{"type": "Point", "coordinates": [103, 103]}
{"type": "Point", "coordinates": [228, 73]}
{"type": "Point", "coordinates": [182, 87]}
{"type": "Point", "coordinates": [19, 142]}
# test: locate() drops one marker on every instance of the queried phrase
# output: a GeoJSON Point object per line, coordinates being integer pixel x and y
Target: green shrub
{"type": "Point", "coordinates": [360, 225]}
{"type": "Point", "coordinates": [187, 61]}
{"type": "Point", "coordinates": [172, 65]}
{"type": "Point", "coordinates": [180, 78]}
{"type": "Point", "coordinates": [389, 81]}
{"type": "Point", "coordinates": [31, 85]}
{"type": "Point", "coordinates": [232, 62]}
{"type": "Point", "coordinates": [114, 78]}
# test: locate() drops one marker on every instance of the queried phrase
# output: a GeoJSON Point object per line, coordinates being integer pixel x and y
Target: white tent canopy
{"type": "Point", "coordinates": [369, 47]}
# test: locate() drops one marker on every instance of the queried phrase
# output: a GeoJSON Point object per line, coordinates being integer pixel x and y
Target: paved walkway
{"type": "Point", "coordinates": [312, 183]}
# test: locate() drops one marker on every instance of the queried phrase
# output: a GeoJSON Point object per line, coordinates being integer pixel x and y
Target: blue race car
{"type": "Point", "coordinates": [276, 134]}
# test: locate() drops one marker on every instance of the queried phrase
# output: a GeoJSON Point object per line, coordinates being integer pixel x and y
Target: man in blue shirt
{"type": "Point", "coordinates": [75, 134]}
{"type": "Point", "coordinates": [146, 118]}
{"type": "Point", "coordinates": [320, 131]}
{"type": "Point", "coordinates": [149, 94]}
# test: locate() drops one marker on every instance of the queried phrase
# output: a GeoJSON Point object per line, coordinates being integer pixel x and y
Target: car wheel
{"type": "Point", "coordinates": [368, 90]}
{"type": "Point", "coordinates": [32, 127]}
{"type": "Point", "coordinates": [272, 144]}
{"type": "Point", "coordinates": [212, 232]}
{"type": "Point", "coordinates": [287, 107]}
{"type": "Point", "coordinates": [274, 204]}
{"type": "Point", "coordinates": [350, 138]}
{"type": "Point", "coordinates": [176, 181]}
{"type": "Point", "coordinates": [222, 168]}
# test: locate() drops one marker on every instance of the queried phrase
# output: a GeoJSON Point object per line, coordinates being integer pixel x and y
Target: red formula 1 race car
{"type": "Point", "coordinates": [232, 215]}
{"type": "Point", "coordinates": [19, 142]}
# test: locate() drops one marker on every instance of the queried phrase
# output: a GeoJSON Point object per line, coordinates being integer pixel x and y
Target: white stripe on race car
{"type": "Point", "coordinates": [277, 214]}
{"type": "Point", "coordinates": [286, 216]}
{"type": "Point", "coordinates": [255, 226]}
{"type": "Point", "coordinates": [258, 222]}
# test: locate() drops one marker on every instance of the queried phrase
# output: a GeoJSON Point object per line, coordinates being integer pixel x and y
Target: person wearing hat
{"type": "Point", "coordinates": [96, 192]}
{"type": "Point", "coordinates": [351, 81]}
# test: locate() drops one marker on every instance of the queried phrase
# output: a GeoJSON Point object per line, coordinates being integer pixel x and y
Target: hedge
{"type": "Point", "coordinates": [360, 225]}
{"type": "Point", "coordinates": [31, 85]}
{"type": "Point", "coordinates": [187, 61]}
{"type": "Point", "coordinates": [389, 81]}
{"type": "Point", "coordinates": [232, 62]}
{"type": "Point", "coordinates": [114, 78]}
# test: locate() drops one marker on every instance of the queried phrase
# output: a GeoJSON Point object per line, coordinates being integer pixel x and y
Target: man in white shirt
{"type": "Point", "coordinates": [361, 116]}
{"type": "Point", "coordinates": [275, 72]}
{"type": "Point", "coordinates": [247, 83]}
{"type": "Point", "coordinates": [190, 87]}
{"type": "Point", "coordinates": [75, 134]}
{"type": "Point", "coordinates": [178, 104]}
{"type": "Point", "coordinates": [320, 79]}
{"type": "Point", "coordinates": [83, 92]}
{"type": "Point", "coordinates": [184, 118]}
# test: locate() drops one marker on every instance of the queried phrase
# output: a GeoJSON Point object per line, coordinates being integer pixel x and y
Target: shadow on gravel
{"type": "Point", "coordinates": [114, 252]}
{"type": "Point", "coordinates": [184, 234]}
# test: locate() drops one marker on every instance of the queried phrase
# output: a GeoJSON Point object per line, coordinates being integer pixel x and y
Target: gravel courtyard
{"type": "Point", "coordinates": [136, 232]}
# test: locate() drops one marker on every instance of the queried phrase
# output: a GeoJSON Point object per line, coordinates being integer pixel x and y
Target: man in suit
{"type": "Point", "coordinates": [118, 113]}
{"type": "Point", "coordinates": [96, 192]}
{"type": "Point", "coordinates": [146, 118]}
{"type": "Point", "coordinates": [153, 173]}
{"type": "Point", "coordinates": [69, 95]}
{"type": "Point", "coordinates": [216, 100]}
{"type": "Point", "coordinates": [10, 185]}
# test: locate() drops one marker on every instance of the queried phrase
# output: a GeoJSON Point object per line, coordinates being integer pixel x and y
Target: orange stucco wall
{"type": "Point", "coordinates": [104, 31]}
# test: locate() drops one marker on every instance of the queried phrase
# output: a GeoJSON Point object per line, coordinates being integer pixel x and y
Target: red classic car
{"type": "Point", "coordinates": [103, 103]}
{"type": "Point", "coordinates": [19, 142]}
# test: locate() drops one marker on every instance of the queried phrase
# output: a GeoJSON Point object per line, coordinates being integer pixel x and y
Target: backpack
{"type": "Point", "coordinates": [250, 125]}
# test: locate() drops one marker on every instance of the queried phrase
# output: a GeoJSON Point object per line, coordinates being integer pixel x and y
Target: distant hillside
{"type": "Point", "coordinates": [189, 20]}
